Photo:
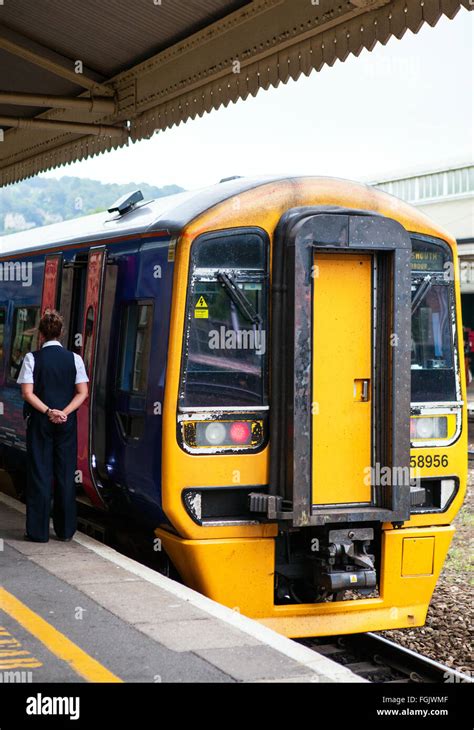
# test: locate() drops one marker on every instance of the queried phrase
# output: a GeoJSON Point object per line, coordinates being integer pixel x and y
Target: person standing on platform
{"type": "Point", "coordinates": [54, 386]}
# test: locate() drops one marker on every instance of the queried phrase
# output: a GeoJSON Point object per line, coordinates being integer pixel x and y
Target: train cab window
{"type": "Point", "coordinates": [135, 348]}
{"type": "Point", "coordinates": [225, 362]}
{"type": "Point", "coordinates": [24, 338]}
{"type": "Point", "coordinates": [3, 315]}
{"type": "Point", "coordinates": [432, 352]}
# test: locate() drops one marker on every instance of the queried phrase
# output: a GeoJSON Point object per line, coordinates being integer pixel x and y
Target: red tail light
{"type": "Point", "coordinates": [240, 432]}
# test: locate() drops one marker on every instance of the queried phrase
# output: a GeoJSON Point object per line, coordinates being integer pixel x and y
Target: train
{"type": "Point", "coordinates": [277, 391]}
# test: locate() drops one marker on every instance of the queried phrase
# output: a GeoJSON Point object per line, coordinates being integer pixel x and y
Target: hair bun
{"type": "Point", "coordinates": [51, 324]}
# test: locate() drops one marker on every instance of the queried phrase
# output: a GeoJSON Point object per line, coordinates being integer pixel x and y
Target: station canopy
{"type": "Point", "coordinates": [77, 79]}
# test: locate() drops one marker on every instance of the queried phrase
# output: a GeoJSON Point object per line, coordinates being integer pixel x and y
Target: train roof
{"type": "Point", "coordinates": [171, 213]}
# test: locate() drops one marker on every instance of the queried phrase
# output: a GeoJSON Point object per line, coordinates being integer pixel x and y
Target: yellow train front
{"type": "Point", "coordinates": [315, 434]}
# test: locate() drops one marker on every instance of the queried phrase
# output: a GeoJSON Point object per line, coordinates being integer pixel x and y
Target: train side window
{"type": "Point", "coordinates": [3, 316]}
{"type": "Point", "coordinates": [88, 339]}
{"type": "Point", "coordinates": [24, 337]}
{"type": "Point", "coordinates": [135, 348]}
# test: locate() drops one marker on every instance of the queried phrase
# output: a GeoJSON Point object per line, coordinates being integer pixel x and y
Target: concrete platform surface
{"type": "Point", "coordinates": [82, 612]}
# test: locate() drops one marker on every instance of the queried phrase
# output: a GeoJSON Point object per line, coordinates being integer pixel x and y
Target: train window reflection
{"type": "Point", "coordinates": [88, 339]}
{"type": "Point", "coordinates": [25, 337]}
{"type": "Point", "coordinates": [225, 362]}
{"type": "Point", "coordinates": [432, 354]}
{"type": "Point", "coordinates": [226, 352]}
{"type": "Point", "coordinates": [2, 334]}
{"type": "Point", "coordinates": [236, 251]}
{"type": "Point", "coordinates": [135, 347]}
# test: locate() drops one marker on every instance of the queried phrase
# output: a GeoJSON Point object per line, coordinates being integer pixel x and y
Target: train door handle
{"type": "Point", "coordinates": [365, 390]}
{"type": "Point", "coordinates": [362, 390]}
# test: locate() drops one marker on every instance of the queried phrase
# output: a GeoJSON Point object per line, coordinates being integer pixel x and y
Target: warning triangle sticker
{"type": "Point", "coordinates": [201, 304]}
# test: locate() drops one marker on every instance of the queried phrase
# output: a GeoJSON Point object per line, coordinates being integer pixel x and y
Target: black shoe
{"type": "Point", "coordinates": [64, 539]}
{"type": "Point", "coordinates": [32, 539]}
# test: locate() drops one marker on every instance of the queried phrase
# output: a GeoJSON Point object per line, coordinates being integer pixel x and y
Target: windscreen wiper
{"type": "Point", "coordinates": [422, 290]}
{"type": "Point", "coordinates": [238, 297]}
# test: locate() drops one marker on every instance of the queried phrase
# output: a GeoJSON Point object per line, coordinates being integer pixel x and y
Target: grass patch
{"type": "Point", "coordinates": [459, 560]}
{"type": "Point", "coordinates": [466, 517]}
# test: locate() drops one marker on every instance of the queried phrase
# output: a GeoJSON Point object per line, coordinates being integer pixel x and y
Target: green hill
{"type": "Point", "coordinates": [40, 201]}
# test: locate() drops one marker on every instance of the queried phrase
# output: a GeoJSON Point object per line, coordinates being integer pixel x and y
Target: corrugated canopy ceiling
{"type": "Point", "coordinates": [77, 79]}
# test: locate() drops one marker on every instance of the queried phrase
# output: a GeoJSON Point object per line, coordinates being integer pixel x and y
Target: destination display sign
{"type": "Point", "coordinates": [428, 260]}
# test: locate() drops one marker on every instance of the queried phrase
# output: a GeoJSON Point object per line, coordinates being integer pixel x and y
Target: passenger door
{"type": "Point", "coordinates": [90, 325]}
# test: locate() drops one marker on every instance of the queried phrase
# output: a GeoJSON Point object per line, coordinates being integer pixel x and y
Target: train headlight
{"type": "Point", "coordinates": [448, 488]}
{"type": "Point", "coordinates": [193, 503]}
{"type": "Point", "coordinates": [214, 434]}
{"type": "Point", "coordinates": [424, 428]}
{"type": "Point", "coordinates": [223, 434]}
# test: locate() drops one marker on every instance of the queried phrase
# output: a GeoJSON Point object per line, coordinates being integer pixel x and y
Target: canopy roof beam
{"type": "Point", "coordinates": [51, 61]}
{"type": "Point", "coordinates": [99, 130]}
{"type": "Point", "coordinates": [91, 104]}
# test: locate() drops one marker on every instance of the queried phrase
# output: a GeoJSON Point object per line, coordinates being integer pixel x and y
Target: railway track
{"type": "Point", "coordinates": [379, 660]}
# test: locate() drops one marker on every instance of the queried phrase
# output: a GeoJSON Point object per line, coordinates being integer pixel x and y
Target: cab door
{"type": "Point", "coordinates": [90, 326]}
{"type": "Point", "coordinates": [342, 379]}
{"type": "Point", "coordinates": [340, 368]}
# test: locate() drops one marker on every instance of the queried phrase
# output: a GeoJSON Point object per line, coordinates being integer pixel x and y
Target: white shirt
{"type": "Point", "coordinates": [28, 365]}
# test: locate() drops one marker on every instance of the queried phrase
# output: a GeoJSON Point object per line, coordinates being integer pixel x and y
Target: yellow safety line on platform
{"type": "Point", "coordinates": [12, 656]}
{"type": "Point", "coordinates": [28, 662]}
{"type": "Point", "coordinates": [55, 641]}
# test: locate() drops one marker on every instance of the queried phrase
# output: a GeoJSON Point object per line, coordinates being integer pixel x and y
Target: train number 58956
{"type": "Point", "coordinates": [428, 460]}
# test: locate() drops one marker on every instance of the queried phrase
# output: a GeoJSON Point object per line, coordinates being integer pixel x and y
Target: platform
{"type": "Point", "coordinates": [82, 612]}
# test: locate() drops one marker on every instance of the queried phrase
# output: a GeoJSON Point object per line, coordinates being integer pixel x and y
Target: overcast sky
{"type": "Point", "coordinates": [406, 106]}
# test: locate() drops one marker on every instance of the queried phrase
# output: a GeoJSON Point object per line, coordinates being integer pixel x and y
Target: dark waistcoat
{"type": "Point", "coordinates": [54, 376]}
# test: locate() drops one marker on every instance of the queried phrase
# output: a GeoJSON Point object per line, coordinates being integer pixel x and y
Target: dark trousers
{"type": "Point", "coordinates": [51, 455]}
